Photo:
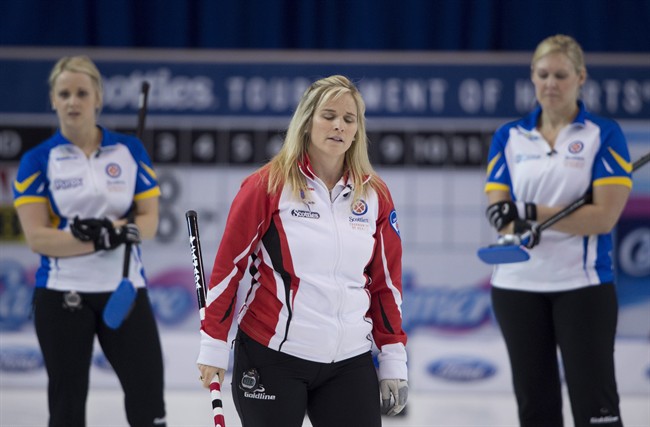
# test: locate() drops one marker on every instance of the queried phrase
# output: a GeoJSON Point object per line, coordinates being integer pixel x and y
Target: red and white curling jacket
{"type": "Point", "coordinates": [326, 275]}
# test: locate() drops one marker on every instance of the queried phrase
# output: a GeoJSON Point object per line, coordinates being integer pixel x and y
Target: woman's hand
{"type": "Point", "coordinates": [208, 373]}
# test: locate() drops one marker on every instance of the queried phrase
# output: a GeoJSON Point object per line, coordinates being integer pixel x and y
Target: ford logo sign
{"type": "Point", "coordinates": [462, 369]}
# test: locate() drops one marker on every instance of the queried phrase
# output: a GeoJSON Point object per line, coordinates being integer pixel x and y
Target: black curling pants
{"type": "Point", "coordinates": [66, 339]}
{"type": "Point", "coordinates": [274, 389]}
{"type": "Point", "coordinates": [582, 323]}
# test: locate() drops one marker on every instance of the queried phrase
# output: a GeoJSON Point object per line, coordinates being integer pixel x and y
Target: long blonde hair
{"type": "Point", "coordinates": [283, 167]}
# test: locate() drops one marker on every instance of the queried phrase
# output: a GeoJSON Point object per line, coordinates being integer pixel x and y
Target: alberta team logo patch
{"type": "Point", "coordinates": [576, 147]}
{"type": "Point", "coordinates": [113, 170]}
{"type": "Point", "coordinates": [360, 207]}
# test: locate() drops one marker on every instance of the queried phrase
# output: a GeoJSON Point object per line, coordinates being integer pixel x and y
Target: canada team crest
{"type": "Point", "coordinates": [359, 207]}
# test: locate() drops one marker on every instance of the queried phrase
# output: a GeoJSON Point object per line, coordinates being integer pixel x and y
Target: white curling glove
{"type": "Point", "coordinates": [394, 394]}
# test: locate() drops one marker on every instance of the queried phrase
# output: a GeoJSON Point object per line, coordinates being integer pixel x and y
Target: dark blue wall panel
{"type": "Point", "coordinates": [452, 25]}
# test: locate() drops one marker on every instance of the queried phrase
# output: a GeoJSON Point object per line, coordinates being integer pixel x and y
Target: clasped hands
{"type": "Point", "coordinates": [522, 215]}
{"type": "Point", "coordinates": [103, 234]}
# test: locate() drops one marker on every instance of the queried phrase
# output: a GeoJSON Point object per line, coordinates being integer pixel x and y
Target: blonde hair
{"type": "Point", "coordinates": [78, 64]}
{"type": "Point", "coordinates": [283, 167]}
{"type": "Point", "coordinates": [561, 43]}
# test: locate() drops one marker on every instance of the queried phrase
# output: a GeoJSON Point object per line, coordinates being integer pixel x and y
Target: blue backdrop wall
{"type": "Point", "coordinates": [479, 25]}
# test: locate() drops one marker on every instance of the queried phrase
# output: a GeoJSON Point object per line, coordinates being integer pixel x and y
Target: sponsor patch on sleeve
{"type": "Point", "coordinates": [393, 222]}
